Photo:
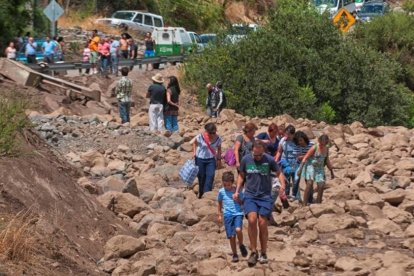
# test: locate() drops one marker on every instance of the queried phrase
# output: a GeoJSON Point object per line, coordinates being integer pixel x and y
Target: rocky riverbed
{"type": "Point", "coordinates": [363, 227]}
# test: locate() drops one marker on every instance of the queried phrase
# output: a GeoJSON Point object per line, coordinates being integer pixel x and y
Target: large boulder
{"type": "Point", "coordinates": [397, 215]}
{"type": "Point", "coordinates": [394, 197]}
{"type": "Point", "coordinates": [123, 203]}
{"type": "Point", "coordinates": [371, 198]}
{"type": "Point", "coordinates": [211, 266]}
{"type": "Point", "coordinates": [148, 184]}
{"type": "Point", "coordinates": [385, 226]}
{"type": "Point", "coordinates": [383, 167]}
{"type": "Point", "coordinates": [117, 166]}
{"type": "Point", "coordinates": [92, 158]}
{"type": "Point", "coordinates": [123, 246]}
{"type": "Point", "coordinates": [144, 222]}
{"type": "Point", "coordinates": [348, 264]}
{"type": "Point", "coordinates": [332, 222]}
{"type": "Point", "coordinates": [406, 164]}
{"type": "Point", "coordinates": [111, 183]}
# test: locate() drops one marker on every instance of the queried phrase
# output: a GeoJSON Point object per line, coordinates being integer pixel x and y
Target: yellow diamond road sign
{"type": "Point", "coordinates": [344, 20]}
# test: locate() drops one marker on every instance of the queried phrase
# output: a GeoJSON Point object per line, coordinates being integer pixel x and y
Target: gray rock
{"type": "Point", "coordinates": [131, 187]}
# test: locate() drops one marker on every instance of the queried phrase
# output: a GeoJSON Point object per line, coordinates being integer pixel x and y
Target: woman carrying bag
{"type": "Point", "coordinates": [207, 154]}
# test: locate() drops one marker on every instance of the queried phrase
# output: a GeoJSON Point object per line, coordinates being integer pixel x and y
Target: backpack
{"type": "Point", "coordinates": [229, 157]}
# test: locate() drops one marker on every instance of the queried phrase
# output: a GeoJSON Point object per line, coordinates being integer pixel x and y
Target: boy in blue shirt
{"type": "Point", "coordinates": [230, 212]}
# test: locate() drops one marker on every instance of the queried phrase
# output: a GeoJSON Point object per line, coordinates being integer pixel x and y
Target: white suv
{"type": "Point", "coordinates": [135, 20]}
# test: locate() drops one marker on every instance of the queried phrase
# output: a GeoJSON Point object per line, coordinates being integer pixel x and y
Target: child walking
{"type": "Point", "coordinates": [314, 163]}
{"type": "Point", "coordinates": [231, 213]}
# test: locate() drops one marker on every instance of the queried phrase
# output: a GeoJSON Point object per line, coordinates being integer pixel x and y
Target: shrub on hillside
{"type": "Point", "coordinates": [17, 241]}
{"type": "Point", "coordinates": [12, 120]}
{"type": "Point", "coordinates": [392, 34]}
{"type": "Point", "coordinates": [300, 64]}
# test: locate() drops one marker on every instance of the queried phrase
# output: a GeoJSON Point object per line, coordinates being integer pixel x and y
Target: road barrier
{"type": "Point", "coordinates": [63, 66]}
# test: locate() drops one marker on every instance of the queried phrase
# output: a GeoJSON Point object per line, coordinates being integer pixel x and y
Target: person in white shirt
{"type": "Point", "coordinates": [11, 51]}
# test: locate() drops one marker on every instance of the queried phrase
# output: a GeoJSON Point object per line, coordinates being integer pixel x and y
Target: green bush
{"type": "Point", "coordinates": [408, 5]}
{"type": "Point", "coordinates": [301, 64]}
{"type": "Point", "coordinates": [13, 19]}
{"type": "Point", "coordinates": [12, 120]}
{"type": "Point", "coordinates": [392, 34]}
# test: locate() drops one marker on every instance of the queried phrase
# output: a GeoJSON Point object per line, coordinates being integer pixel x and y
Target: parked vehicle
{"type": "Point", "coordinates": [195, 39]}
{"type": "Point", "coordinates": [359, 4]}
{"type": "Point", "coordinates": [371, 10]}
{"type": "Point", "coordinates": [333, 6]}
{"type": "Point", "coordinates": [135, 20]}
{"type": "Point", "coordinates": [208, 38]}
{"type": "Point", "coordinates": [239, 31]}
{"type": "Point", "coordinates": [171, 41]}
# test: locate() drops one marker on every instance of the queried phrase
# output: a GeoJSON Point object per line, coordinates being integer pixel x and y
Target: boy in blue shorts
{"type": "Point", "coordinates": [231, 213]}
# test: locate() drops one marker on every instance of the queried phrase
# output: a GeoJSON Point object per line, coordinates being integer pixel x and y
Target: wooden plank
{"type": "Point", "coordinates": [24, 75]}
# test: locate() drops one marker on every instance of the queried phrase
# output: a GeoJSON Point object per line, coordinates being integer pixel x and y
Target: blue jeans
{"type": "Point", "coordinates": [104, 65]}
{"type": "Point", "coordinates": [171, 123]}
{"type": "Point", "coordinates": [206, 173]}
{"type": "Point", "coordinates": [124, 108]}
{"type": "Point", "coordinates": [114, 62]}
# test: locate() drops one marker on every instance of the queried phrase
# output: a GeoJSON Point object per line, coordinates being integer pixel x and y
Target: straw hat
{"type": "Point", "coordinates": [158, 78]}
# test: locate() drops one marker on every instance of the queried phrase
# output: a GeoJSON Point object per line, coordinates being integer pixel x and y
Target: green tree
{"type": "Point", "coordinates": [14, 18]}
{"type": "Point", "coordinates": [392, 34]}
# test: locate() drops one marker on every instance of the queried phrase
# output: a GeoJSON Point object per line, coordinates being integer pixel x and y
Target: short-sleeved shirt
{"type": "Point", "coordinates": [288, 150]}
{"type": "Point", "coordinates": [230, 206]}
{"type": "Point", "coordinates": [203, 152]}
{"type": "Point", "coordinates": [123, 90]}
{"type": "Point", "coordinates": [49, 47]}
{"type": "Point", "coordinates": [270, 147]}
{"type": "Point", "coordinates": [114, 47]}
{"type": "Point", "coordinates": [157, 93]}
{"type": "Point", "coordinates": [300, 151]}
{"type": "Point", "coordinates": [258, 181]}
{"type": "Point", "coordinates": [31, 48]}
{"type": "Point", "coordinates": [245, 146]}
{"type": "Point", "coordinates": [93, 45]}
{"type": "Point", "coordinates": [104, 49]}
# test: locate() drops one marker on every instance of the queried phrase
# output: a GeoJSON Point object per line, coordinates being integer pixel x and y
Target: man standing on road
{"type": "Point", "coordinates": [30, 50]}
{"type": "Point", "coordinates": [123, 91]}
{"type": "Point", "coordinates": [133, 51]}
{"type": "Point", "coordinates": [49, 49]}
{"type": "Point", "coordinates": [115, 56]}
{"type": "Point", "coordinates": [157, 94]}
{"type": "Point", "coordinates": [149, 48]}
{"type": "Point", "coordinates": [93, 46]}
{"type": "Point", "coordinates": [256, 169]}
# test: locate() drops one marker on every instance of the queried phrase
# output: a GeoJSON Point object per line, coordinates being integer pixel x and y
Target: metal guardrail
{"type": "Point", "coordinates": [63, 66]}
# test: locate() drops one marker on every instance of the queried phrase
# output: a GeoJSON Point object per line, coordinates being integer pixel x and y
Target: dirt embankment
{"type": "Point", "coordinates": [70, 227]}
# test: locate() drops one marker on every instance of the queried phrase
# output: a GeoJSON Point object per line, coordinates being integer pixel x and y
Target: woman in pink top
{"type": "Point", "coordinates": [11, 51]}
{"type": "Point", "coordinates": [104, 49]}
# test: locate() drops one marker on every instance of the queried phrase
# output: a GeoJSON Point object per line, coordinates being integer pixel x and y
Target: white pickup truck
{"type": "Point", "coordinates": [135, 20]}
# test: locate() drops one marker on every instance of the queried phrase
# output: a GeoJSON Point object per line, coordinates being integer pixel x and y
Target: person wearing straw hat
{"type": "Point", "coordinates": [157, 95]}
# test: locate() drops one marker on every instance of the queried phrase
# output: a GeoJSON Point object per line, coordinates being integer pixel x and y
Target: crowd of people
{"type": "Point", "coordinates": [53, 48]}
{"type": "Point", "coordinates": [269, 166]}
{"type": "Point", "coordinates": [164, 101]}
{"type": "Point", "coordinates": [104, 53]}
